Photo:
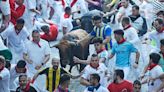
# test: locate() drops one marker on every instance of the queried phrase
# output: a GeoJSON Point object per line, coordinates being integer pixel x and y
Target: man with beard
{"type": "Point", "coordinates": [24, 85]}
{"type": "Point", "coordinates": [119, 84]}
{"type": "Point", "coordinates": [52, 74]}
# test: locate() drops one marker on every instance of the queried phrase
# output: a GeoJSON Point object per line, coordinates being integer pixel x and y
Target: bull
{"type": "Point", "coordinates": [69, 47]}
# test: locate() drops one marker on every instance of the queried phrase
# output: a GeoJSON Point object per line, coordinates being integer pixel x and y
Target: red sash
{"type": "Point", "coordinates": [122, 41]}
{"type": "Point", "coordinates": [151, 66]}
{"type": "Point", "coordinates": [128, 26]}
{"type": "Point", "coordinates": [71, 5]}
{"type": "Point", "coordinates": [37, 43]}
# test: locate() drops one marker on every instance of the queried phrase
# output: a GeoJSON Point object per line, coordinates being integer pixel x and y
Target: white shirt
{"type": "Point", "coordinates": [102, 69]}
{"type": "Point", "coordinates": [13, 76]}
{"type": "Point", "coordinates": [125, 12]}
{"type": "Point", "coordinates": [31, 4]}
{"type": "Point", "coordinates": [45, 8]}
{"type": "Point", "coordinates": [156, 37]}
{"type": "Point", "coordinates": [16, 41]}
{"type": "Point", "coordinates": [4, 83]}
{"type": "Point", "coordinates": [66, 22]}
{"type": "Point", "coordinates": [155, 72]}
{"type": "Point", "coordinates": [131, 36]}
{"type": "Point", "coordinates": [79, 5]}
{"type": "Point", "coordinates": [100, 89]}
{"type": "Point", "coordinates": [5, 7]}
{"type": "Point", "coordinates": [104, 54]}
{"type": "Point", "coordinates": [58, 8]}
{"type": "Point", "coordinates": [36, 53]}
{"type": "Point", "coordinates": [2, 46]}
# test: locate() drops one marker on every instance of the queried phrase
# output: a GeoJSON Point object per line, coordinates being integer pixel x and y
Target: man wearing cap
{"type": "Point", "coordinates": [123, 50]}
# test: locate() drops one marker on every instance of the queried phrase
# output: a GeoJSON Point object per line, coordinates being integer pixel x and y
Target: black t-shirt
{"type": "Point", "coordinates": [31, 89]}
{"type": "Point", "coordinates": [46, 72]}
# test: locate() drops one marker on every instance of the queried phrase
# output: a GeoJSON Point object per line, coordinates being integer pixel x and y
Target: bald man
{"type": "Point", "coordinates": [53, 74]}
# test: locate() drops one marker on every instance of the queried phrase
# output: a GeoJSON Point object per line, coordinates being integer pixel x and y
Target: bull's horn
{"type": "Point", "coordinates": [56, 45]}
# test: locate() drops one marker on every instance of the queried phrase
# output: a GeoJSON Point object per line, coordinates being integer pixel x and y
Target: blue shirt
{"type": "Point", "coordinates": [123, 52]}
{"type": "Point", "coordinates": [103, 32]}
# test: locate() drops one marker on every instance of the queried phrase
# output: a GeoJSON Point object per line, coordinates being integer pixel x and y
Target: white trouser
{"type": "Point", "coordinates": [126, 71]}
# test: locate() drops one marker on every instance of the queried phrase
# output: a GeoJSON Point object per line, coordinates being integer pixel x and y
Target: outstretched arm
{"type": "Point", "coordinates": [77, 60]}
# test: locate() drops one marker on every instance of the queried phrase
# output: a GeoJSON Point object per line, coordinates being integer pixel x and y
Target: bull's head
{"type": "Point", "coordinates": [65, 51]}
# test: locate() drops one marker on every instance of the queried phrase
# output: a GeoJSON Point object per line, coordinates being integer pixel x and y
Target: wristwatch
{"type": "Point", "coordinates": [42, 64]}
{"type": "Point", "coordinates": [136, 62]}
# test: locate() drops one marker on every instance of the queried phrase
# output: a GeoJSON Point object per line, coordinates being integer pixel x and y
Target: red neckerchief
{"type": "Point", "coordinates": [122, 41]}
{"type": "Point", "coordinates": [162, 30]}
{"type": "Point", "coordinates": [127, 27]}
{"type": "Point", "coordinates": [96, 67]}
{"type": "Point", "coordinates": [27, 87]}
{"type": "Point", "coordinates": [101, 50]}
{"type": "Point", "coordinates": [63, 3]}
{"type": "Point", "coordinates": [151, 66]}
{"type": "Point", "coordinates": [37, 43]}
{"type": "Point", "coordinates": [162, 54]}
{"type": "Point", "coordinates": [72, 3]}
{"type": "Point", "coordinates": [66, 15]}
{"type": "Point", "coordinates": [16, 31]}
{"type": "Point", "coordinates": [2, 68]}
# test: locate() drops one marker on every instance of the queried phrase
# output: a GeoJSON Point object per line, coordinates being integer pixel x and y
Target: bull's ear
{"type": "Point", "coordinates": [56, 46]}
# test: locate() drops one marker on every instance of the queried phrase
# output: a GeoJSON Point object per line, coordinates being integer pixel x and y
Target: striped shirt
{"type": "Point", "coordinates": [53, 77]}
{"type": "Point", "coordinates": [103, 32]}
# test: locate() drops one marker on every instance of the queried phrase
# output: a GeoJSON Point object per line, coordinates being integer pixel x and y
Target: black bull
{"type": "Point", "coordinates": [68, 48]}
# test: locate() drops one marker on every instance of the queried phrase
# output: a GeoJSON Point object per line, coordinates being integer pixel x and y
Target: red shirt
{"type": "Point", "coordinates": [125, 86]}
{"type": "Point", "coordinates": [16, 13]}
{"type": "Point", "coordinates": [52, 33]}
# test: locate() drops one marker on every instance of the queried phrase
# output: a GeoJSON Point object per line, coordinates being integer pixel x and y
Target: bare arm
{"type": "Point", "coordinates": [64, 30]}
{"type": "Point", "coordinates": [77, 60]}
{"type": "Point", "coordinates": [47, 57]}
{"type": "Point", "coordinates": [26, 58]}
{"type": "Point", "coordinates": [161, 87]}
{"type": "Point", "coordinates": [34, 10]}
{"type": "Point", "coordinates": [35, 77]}
{"type": "Point", "coordinates": [144, 71]}
{"type": "Point", "coordinates": [84, 82]}
{"type": "Point", "coordinates": [137, 57]}
{"type": "Point", "coordinates": [107, 40]}
{"type": "Point", "coordinates": [111, 56]}
{"type": "Point", "coordinates": [102, 60]}
{"type": "Point", "coordinates": [110, 13]}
